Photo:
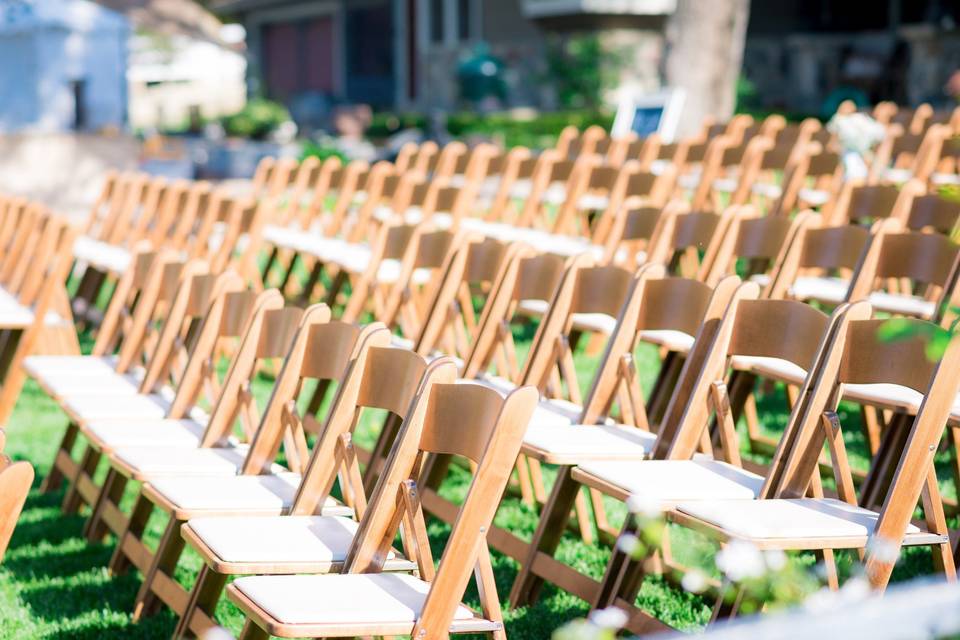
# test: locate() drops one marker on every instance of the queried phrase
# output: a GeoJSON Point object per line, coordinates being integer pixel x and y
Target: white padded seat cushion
{"type": "Point", "coordinates": [885, 394]}
{"type": "Point", "coordinates": [109, 406]}
{"type": "Point", "coordinates": [594, 322]}
{"type": "Point", "coordinates": [590, 441]}
{"type": "Point", "coordinates": [726, 185]}
{"type": "Point", "coordinates": [814, 197]}
{"type": "Point", "coordinates": [832, 290]}
{"type": "Point", "coordinates": [283, 237]}
{"type": "Point", "coordinates": [690, 181]}
{"type": "Point", "coordinates": [79, 384]}
{"type": "Point", "coordinates": [116, 406]}
{"type": "Point", "coordinates": [103, 256]}
{"type": "Point", "coordinates": [277, 538]}
{"type": "Point", "coordinates": [341, 599]}
{"type": "Point", "coordinates": [672, 340]}
{"type": "Point", "coordinates": [898, 176]}
{"type": "Point", "coordinates": [549, 413]}
{"type": "Point", "coordinates": [15, 316]}
{"type": "Point", "coordinates": [156, 461]}
{"type": "Point", "coordinates": [42, 366]}
{"type": "Point", "coordinates": [270, 493]}
{"type": "Point", "coordinates": [593, 202]}
{"type": "Point", "coordinates": [541, 240]}
{"type": "Point", "coordinates": [945, 179]}
{"type": "Point", "coordinates": [772, 519]}
{"type": "Point", "coordinates": [767, 190]}
{"type": "Point", "coordinates": [901, 304]}
{"type": "Point", "coordinates": [555, 194]}
{"type": "Point", "coordinates": [775, 368]}
{"type": "Point", "coordinates": [127, 433]}
{"type": "Point", "coordinates": [673, 481]}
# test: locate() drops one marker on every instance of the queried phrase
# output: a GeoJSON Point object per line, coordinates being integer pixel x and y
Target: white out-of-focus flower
{"type": "Point", "coordinates": [775, 559]}
{"type": "Point", "coordinates": [854, 590]}
{"type": "Point", "coordinates": [645, 505]}
{"type": "Point", "coordinates": [628, 543]}
{"type": "Point", "coordinates": [609, 618]}
{"type": "Point", "coordinates": [883, 550]}
{"type": "Point", "coordinates": [216, 633]}
{"type": "Point", "coordinates": [581, 630]}
{"type": "Point", "coordinates": [740, 561]}
{"type": "Point", "coordinates": [856, 132]}
{"type": "Point", "coordinates": [694, 581]}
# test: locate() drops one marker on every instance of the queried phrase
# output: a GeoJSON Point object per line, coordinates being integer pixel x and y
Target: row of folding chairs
{"type": "Point", "coordinates": [546, 367]}
{"type": "Point", "coordinates": [162, 353]}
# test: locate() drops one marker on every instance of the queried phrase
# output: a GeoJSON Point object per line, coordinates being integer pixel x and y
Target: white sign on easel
{"type": "Point", "coordinates": [647, 114]}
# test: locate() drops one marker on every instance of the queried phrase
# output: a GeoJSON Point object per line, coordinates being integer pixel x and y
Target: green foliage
{"type": "Point", "coordinates": [579, 68]}
{"type": "Point", "coordinates": [257, 120]}
{"type": "Point", "coordinates": [539, 131]}
{"type": "Point", "coordinates": [313, 149]}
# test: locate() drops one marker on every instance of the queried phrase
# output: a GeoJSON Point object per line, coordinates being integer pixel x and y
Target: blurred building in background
{"type": "Point", "coordinates": [801, 55]}
{"type": "Point", "coordinates": [62, 66]}
{"type": "Point", "coordinates": [185, 66]}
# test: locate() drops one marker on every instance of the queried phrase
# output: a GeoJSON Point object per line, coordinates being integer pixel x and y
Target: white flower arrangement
{"type": "Point", "coordinates": [856, 132]}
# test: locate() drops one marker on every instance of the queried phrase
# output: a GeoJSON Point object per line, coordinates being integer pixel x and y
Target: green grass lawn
{"type": "Point", "coordinates": [54, 584]}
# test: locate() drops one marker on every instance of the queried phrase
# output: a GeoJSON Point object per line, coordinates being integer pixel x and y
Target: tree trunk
{"type": "Point", "coordinates": [705, 41]}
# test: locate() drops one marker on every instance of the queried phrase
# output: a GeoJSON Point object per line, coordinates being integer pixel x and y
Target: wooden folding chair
{"type": "Point", "coordinates": [428, 604]}
{"type": "Point", "coordinates": [451, 321]}
{"type": "Point", "coordinates": [38, 319]}
{"type": "Point", "coordinates": [753, 246]}
{"type": "Point", "coordinates": [368, 385]}
{"type": "Point", "coordinates": [813, 181]}
{"type": "Point", "coordinates": [908, 154]}
{"type": "Point", "coordinates": [269, 332]}
{"type": "Point", "coordinates": [916, 272]}
{"type": "Point", "coordinates": [180, 372]}
{"type": "Point", "coordinates": [362, 368]}
{"type": "Point", "coordinates": [15, 481]}
{"type": "Point", "coordinates": [785, 519]}
{"type": "Point", "coordinates": [789, 333]}
{"type": "Point", "coordinates": [127, 336]}
{"type": "Point", "coordinates": [933, 212]}
{"type": "Point", "coordinates": [864, 204]}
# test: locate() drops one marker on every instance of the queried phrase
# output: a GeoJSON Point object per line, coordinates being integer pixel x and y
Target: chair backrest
{"type": "Point", "coordinates": [933, 211]}
{"type": "Point", "coordinates": [321, 351]}
{"type": "Point", "coordinates": [450, 321]}
{"type": "Point", "coordinates": [379, 377]}
{"type": "Point", "coordinates": [655, 303]}
{"type": "Point", "coordinates": [530, 278]}
{"type": "Point", "coordinates": [267, 335]}
{"type": "Point", "coordinates": [828, 249]}
{"type": "Point", "coordinates": [753, 245]}
{"type": "Point", "coordinates": [597, 291]}
{"type": "Point", "coordinates": [863, 355]}
{"type": "Point", "coordinates": [782, 329]}
{"type": "Point", "coordinates": [465, 420]}
{"type": "Point", "coordinates": [928, 260]}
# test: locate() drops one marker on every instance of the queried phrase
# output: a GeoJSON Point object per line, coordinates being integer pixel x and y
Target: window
{"type": "Point", "coordinates": [464, 19]}
{"type": "Point", "coordinates": [437, 20]}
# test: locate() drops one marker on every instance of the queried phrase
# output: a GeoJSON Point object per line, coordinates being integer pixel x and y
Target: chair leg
{"type": "Point", "coordinates": [111, 492]}
{"type": "Point", "coordinates": [121, 562]}
{"type": "Point", "coordinates": [582, 513]}
{"type": "Point", "coordinates": [55, 477]}
{"type": "Point", "coordinates": [165, 562]}
{"type": "Point", "coordinates": [252, 632]}
{"type": "Point", "coordinates": [553, 521]}
{"type": "Point", "coordinates": [88, 466]}
{"type": "Point", "coordinates": [204, 598]}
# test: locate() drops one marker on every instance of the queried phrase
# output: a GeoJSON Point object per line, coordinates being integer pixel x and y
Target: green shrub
{"type": "Point", "coordinates": [537, 132]}
{"type": "Point", "coordinates": [313, 149]}
{"type": "Point", "coordinates": [257, 120]}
